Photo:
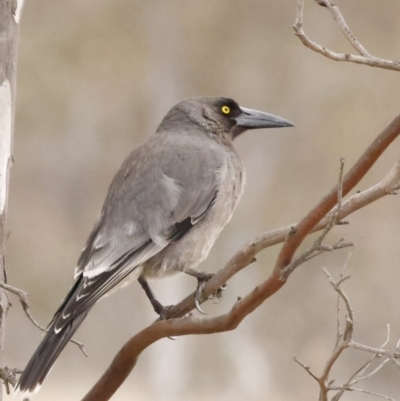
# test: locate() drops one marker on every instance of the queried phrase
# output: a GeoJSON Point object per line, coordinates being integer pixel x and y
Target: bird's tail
{"type": "Point", "coordinates": [43, 359]}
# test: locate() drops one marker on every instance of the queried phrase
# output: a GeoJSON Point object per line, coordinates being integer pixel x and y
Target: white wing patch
{"type": "Point", "coordinates": [161, 221]}
{"type": "Point", "coordinates": [173, 189]}
{"type": "Point", "coordinates": [137, 260]}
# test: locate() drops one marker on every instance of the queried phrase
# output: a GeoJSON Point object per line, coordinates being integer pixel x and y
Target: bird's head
{"type": "Point", "coordinates": [223, 116]}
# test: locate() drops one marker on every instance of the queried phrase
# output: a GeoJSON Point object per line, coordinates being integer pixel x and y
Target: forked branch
{"type": "Point", "coordinates": [23, 299]}
{"type": "Point", "coordinates": [344, 341]}
{"type": "Point", "coordinates": [316, 219]}
{"type": "Point", "coordinates": [362, 58]}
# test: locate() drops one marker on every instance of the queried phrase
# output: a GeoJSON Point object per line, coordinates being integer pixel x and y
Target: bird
{"type": "Point", "coordinates": [164, 210]}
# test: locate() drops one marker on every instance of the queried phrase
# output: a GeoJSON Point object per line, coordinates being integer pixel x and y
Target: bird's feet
{"type": "Point", "coordinates": [202, 279]}
{"type": "Point", "coordinates": [218, 294]}
{"type": "Point", "coordinates": [160, 309]}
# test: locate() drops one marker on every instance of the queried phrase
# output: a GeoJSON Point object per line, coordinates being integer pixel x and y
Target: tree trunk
{"type": "Point", "coordinates": [8, 61]}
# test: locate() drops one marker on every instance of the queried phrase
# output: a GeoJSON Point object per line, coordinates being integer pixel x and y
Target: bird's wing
{"type": "Point", "coordinates": [160, 192]}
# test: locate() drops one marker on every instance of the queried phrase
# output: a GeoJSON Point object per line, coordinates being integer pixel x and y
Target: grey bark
{"type": "Point", "coordinates": [8, 61]}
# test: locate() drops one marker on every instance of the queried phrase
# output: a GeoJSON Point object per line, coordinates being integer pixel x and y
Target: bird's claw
{"type": "Point", "coordinates": [199, 297]}
{"type": "Point", "coordinates": [197, 304]}
{"type": "Point", "coordinates": [162, 311]}
{"type": "Point", "coordinates": [218, 294]}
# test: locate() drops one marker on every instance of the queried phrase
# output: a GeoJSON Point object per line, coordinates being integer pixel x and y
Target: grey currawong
{"type": "Point", "coordinates": [164, 209]}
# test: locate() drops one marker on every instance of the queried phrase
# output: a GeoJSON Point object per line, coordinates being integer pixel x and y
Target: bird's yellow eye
{"type": "Point", "coordinates": [225, 109]}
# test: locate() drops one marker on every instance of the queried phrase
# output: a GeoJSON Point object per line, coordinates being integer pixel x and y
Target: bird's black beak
{"type": "Point", "coordinates": [251, 119]}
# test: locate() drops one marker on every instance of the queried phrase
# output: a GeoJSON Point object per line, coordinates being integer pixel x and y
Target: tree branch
{"type": "Point", "coordinates": [23, 299]}
{"type": "Point", "coordinates": [317, 218]}
{"type": "Point", "coordinates": [9, 377]}
{"type": "Point", "coordinates": [364, 57]}
{"type": "Point", "coordinates": [343, 342]}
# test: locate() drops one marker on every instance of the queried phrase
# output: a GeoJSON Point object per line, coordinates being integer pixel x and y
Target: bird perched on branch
{"type": "Point", "coordinates": [164, 209]}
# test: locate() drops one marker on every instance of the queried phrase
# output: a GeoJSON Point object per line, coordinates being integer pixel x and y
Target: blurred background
{"type": "Point", "coordinates": [95, 77]}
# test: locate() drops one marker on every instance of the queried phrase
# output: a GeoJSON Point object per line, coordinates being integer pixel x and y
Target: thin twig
{"type": "Point", "coordinates": [336, 286]}
{"type": "Point", "coordinates": [395, 362]}
{"type": "Point", "coordinates": [9, 377]}
{"type": "Point", "coordinates": [337, 15]}
{"type": "Point", "coordinates": [328, 248]}
{"type": "Point", "coordinates": [360, 374]}
{"type": "Point", "coordinates": [371, 393]}
{"type": "Point", "coordinates": [373, 372]}
{"type": "Point", "coordinates": [341, 279]}
{"type": "Point", "coordinates": [344, 341]}
{"type": "Point", "coordinates": [379, 351]}
{"type": "Point", "coordinates": [340, 189]}
{"type": "Point", "coordinates": [306, 368]}
{"type": "Point", "coordinates": [23, 298]}
{"type": "Point", "coordinates": [365, 58]}
{"type": "Point", "coordinates": [318, 247]}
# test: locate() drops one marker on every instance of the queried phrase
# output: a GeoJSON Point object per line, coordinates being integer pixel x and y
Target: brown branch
{"type": "Point", "coordinates": [388, 185]}
{"type": "Point", "coordinates": [127, 357]}
{"type": "Point", "coordinates": [318, 247]}
{"type": "Point", "coordinates": [351, 179]}
{"type": "Point", "coordinates": [364, 57]}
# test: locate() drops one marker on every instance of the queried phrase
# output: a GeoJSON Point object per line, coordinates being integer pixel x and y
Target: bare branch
{"type": "Point", "coordinates": [351, 179]}
{"type": "Point", "coordinates": [23, 298]}
{"type": "Point", "coordinates": [337, 15]}
{"type": "Point", "coordinates": [343, 342]}
{"type": "Point", "coordinates": [373, 372]}
{"type": "Point", "coordinates": [9, 377]}
{"type": "Point", "coordinates": [336, 286]}
{"type": "Point", "coordinates": [317, 247]}
{"type": "Point", "coordinates": [127, 357]}
{"type": "Point", "coordinates": [306, 368]}
{"type": "Point", "coordinates": [360, 375]}
{"type": "Point", "coordinates": [373, 350]}
{"type": "Point", "coordinates": [364, 57]}
{"type": "Point", "coordinates": [342, 278]}
{"type": "Point", "coordinates": [324, 248]}
{"type": "Point", "coordinates": [247, 254]}
{"type": "Point", "coordinates": [371, 393]}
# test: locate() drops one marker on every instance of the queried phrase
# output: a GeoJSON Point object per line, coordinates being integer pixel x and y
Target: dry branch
{"type": "Point", "coordinates": [9, 377]}
{"type": "Point", "coordinates": [127, 357]}
{"type": "Point", "coordinates": [364, 57]}
{"type": "Point", "coordinates": [23, 299]}
{"type": "Point", "coordinates": [345, 341]}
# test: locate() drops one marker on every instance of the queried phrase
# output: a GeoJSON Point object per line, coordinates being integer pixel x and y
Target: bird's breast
{"type": "Point", "coordinates": [194, 246]}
